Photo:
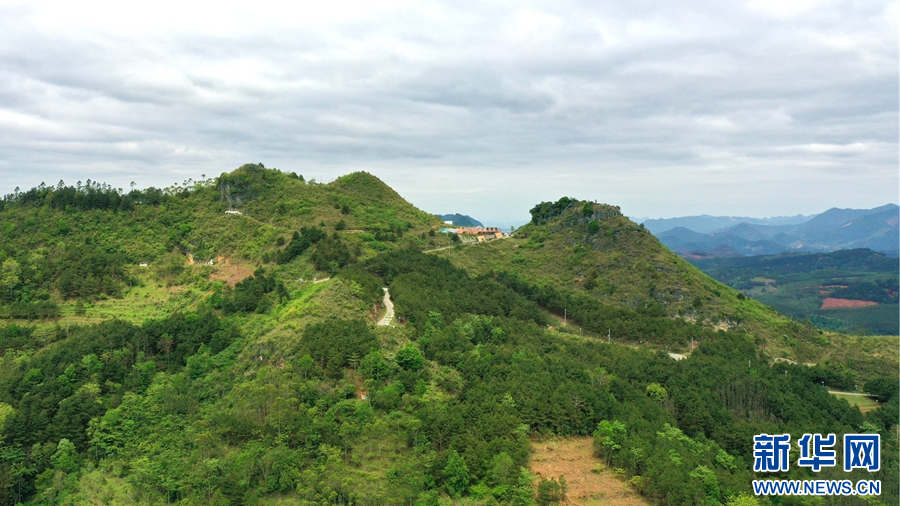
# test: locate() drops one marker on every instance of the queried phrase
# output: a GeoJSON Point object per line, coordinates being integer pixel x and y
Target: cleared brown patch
{"type": "Point", "coordinates": [231, 274]}
{"type": "Point", "coordinates": [573, 458]}
{"type": "Point", "coordinates": [832, 303]}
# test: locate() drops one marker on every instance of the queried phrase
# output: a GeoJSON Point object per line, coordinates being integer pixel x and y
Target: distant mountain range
{"type": "Point", "coordinates": [461, 220]}
{"type": "Point", "coordinates": [835, 229]}
{"type": "Point", "coordinates": [706, 224]}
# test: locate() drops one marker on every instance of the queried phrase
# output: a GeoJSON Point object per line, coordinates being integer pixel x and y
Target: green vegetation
{"type": "Point", "coordinates": [862, 402]}
{"type": "Point", "coordinates": [620, 267]}
{"type": "Point", "coordinates": [797, 284]}
{"type": "Point", "coordinates": [247, 382]}
{"type": "Point", "coordinates": [257, 293]}
{"type": "Point", "coordinates": [67, 243]}
{"type": "Point", "coordinates": [546, 211]}
{"type": "Point", "coordinates": [300, 242]}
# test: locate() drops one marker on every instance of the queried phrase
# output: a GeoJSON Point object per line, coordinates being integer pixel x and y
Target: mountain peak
{"type": "Point", "coordinates": [573, 211]}
{"type": "Point", "coordinates": [461, 220]}
{"type": "Point", "coordinates": [366, 188]}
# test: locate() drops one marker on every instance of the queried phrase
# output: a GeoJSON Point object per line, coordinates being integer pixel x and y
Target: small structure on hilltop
{"type": "Point", "coordinates": [232, 211]}
{"type": "Point", "coordinates": [482, 233]}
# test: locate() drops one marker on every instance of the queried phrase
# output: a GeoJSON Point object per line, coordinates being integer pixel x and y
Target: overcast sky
{"type": "Point", "coordinates": [761, 108]}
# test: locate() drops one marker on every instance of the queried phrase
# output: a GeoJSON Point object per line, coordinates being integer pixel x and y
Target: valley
{"type": "Point", "coordinates": [852, 291]}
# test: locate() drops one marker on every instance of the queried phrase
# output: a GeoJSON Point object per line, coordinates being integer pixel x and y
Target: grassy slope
{"type": "Point", "coordinates": [280, 205]}
{"type": "Point", "coordinates": [273, 205]}
{"type": "Point", "coordinates": [635, 270]}
{"type": "Point", "coordinates": [196, 228]}
{"type": "Point", "coordinates": [632, 268]}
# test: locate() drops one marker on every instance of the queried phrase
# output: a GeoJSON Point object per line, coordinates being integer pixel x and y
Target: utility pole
{"type": "Point", "coordinates": [608, 334]}
{"type": "Point", "coordinates": [565, 317]}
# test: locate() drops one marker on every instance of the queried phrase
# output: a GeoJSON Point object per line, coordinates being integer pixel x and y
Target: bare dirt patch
{"type": "Point", "coordinates": [231, 274]}
{"type": "Point", "coordinates": [573, 458]}
{"type": "Point", "coordinates": [832, 303]}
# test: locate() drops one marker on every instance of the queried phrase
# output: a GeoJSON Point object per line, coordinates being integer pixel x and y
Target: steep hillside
{"type": "Point", "coordinates": [145, 225]}
{"type": "Point", "coordinates": [90, 250]}
{"type": "Point", "coordinates": [592, 249]}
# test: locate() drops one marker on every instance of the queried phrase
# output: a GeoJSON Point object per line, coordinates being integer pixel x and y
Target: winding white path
{"type": "Point", "coordinates": [389, 313]}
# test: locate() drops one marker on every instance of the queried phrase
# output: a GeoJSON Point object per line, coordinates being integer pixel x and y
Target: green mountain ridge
{"type": "Point", "coordinates": [44, 239]}
{"type": "Point", "coordinates": [461, 220]}
{"type": "Point", "coordinates": [262, 378]}
{"type": "Point", "coordinates": [592, 250]}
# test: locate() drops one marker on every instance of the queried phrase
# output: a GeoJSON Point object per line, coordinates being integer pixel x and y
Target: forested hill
{"type": "Point", "coordinates": [62, 244]}
{"type": "Point", "coordinates": [191, 217]}
{"type": "Point", "coordinates": [590, 255]}
{"type": "Point", "coordinates": [215, 342]}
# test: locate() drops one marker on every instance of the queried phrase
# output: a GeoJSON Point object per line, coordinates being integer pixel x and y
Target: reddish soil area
{"type": "Point", "coordinates": [832, 303]}
{"type": "Point", "coordinates": [590, 483]}
{"type": "Point", "coordinates": [231, 274]}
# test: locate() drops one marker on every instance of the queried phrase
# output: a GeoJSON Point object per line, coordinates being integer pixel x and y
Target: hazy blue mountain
{"type": "Point", "coordinates": [876, 231]}
{"type": "Point", "coordinates": [706, 224]}
{"type": "Point", "coordinates": [695, 251]}
{"type": "Point", "coordinates": [680, 236]}
{"type": "Point", "coordinates": [835, 229]}
{"type": "Point", "coordinates": [835, 217]}
{"type": "Point", "coordinates": [746, 231]}
{"type": "Point", "coordinates": [461, 220]}
{"type": "Point", "coordinates": [710, 245]}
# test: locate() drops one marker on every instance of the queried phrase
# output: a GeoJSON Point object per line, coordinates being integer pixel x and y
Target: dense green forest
{"type": "Point", "coordinates": [269, 388]}
{"type": "Point", "coordinates": [797, 284]}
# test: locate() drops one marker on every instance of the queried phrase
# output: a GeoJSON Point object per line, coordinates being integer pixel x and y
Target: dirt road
{"type": "Point", "coordinates": [389, 313]}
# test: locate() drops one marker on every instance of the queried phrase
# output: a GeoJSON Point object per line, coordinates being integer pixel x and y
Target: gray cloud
{"type": "Point", "coordinates": [765, 107]}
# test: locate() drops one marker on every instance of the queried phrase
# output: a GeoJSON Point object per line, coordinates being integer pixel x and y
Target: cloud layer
{"type": "Point", "coordinates": [756, 108]}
